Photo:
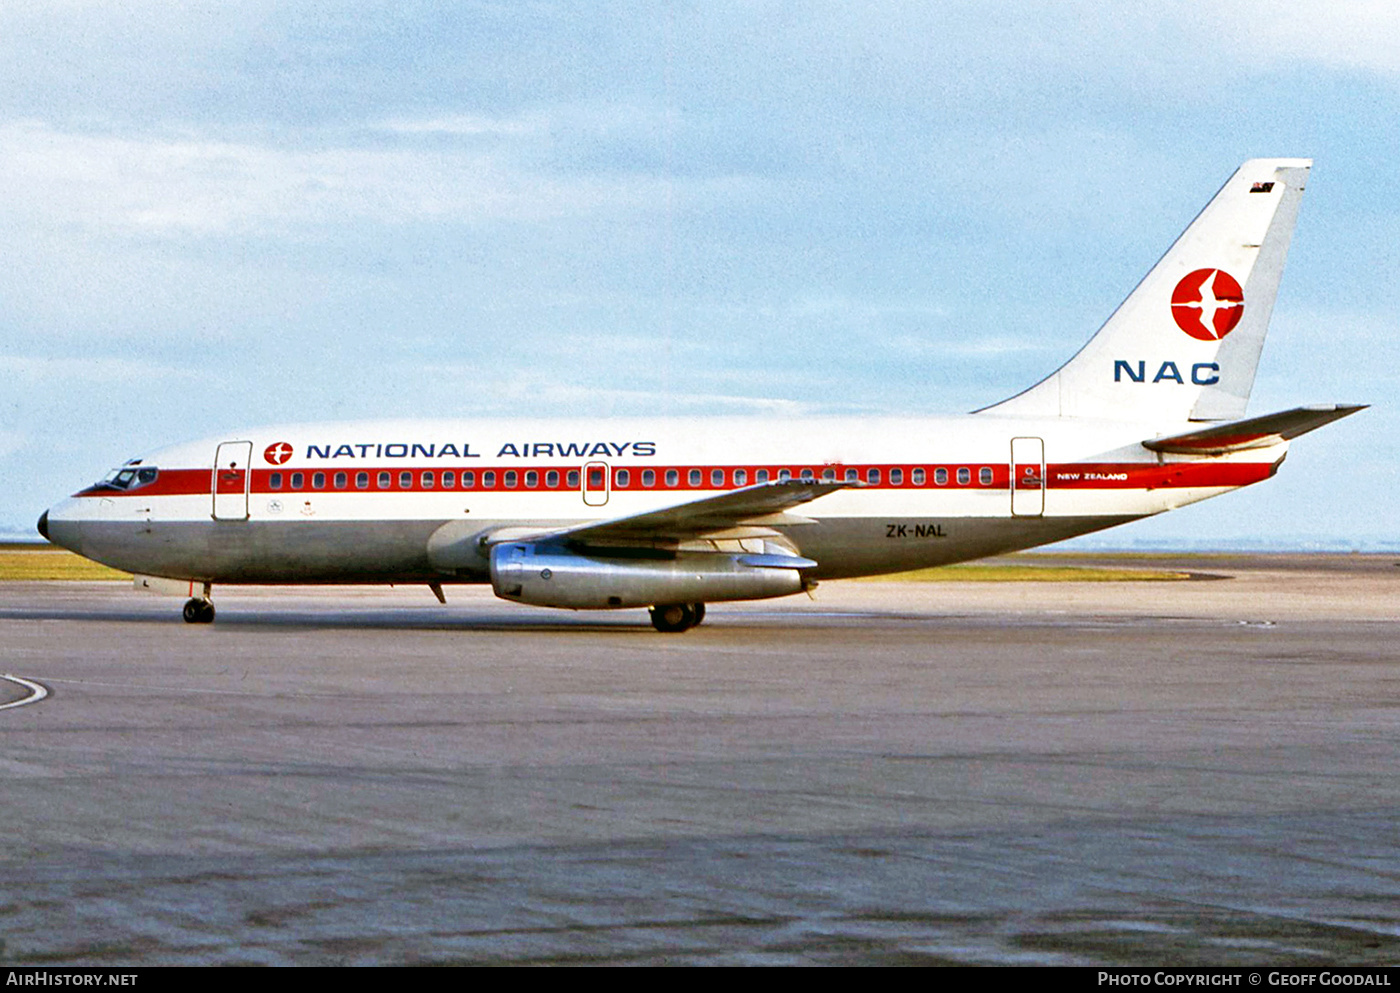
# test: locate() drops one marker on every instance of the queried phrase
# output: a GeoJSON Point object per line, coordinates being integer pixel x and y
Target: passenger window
{"type": "Point", "coordinates": [341, 480]}
{"type": "Point", "coordinates": [449, 480]}
{"type": "Point", "coordinates": [427, 480]}
{"type": "Point", "coordinates": [385, 480]}
{"type": "Point", "coordinates": [829, 475]}
{"type": "Point", "coordinates": [595, 479]}
{"type": "Point", "coordinates": [298, 480]}
{"type": "Point", "coordinates": [405, 480]}
{"type": "Point", "coordinates": [551, 478]}
{"type": "Point", "coordinates": [984, 476]}
{"type": "Point", "coordinates": [532, 479]}
{"type": "Point", "coordinates": [964, 476]}
{"type": "Point", "coordinates": [917, 478]}
{"type": "Point", "coordinates": [761, 476]}
{"type": "Point", "coordinates": [673, 477]}
{"type": "Point", "coordinates": [274, 482]}
{"type": "Point", "coordinates": [318, 481]}
{"type": "Point", "coordinates": [510, 479]}
{"type": "Point", "coordinates": [623, 477]}
{"type": "Point", "coordinates": [717, 478]}
{"type": "Point", "coordinates": [852, 475]}
{"type": "Point", "coordinates": [361, 480]}
{"type": "Point", "coordinates": [940, 477]}
{"type": "Point", "coordinates": [695, 477]}
{"type": "Point", "coordinates": [468, 480]}
{"type": "Point", "coordinates": [741, 477]}
{"type": "Point", "coordinates": [896, 477]}
{"type": "Point", "coordinates": [784, 474]}
{"type": "Point", "coordinates": [571, 479]}
{"type": "Point", "coordinates": [872, 476]}
{"type": "Point", "coordinates": [488, 480]}
{"type": "Point", "coordinates": [808, 475]}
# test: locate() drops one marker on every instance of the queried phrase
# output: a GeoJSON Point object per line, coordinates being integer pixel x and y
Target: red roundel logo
{"type": "Point", "coordinates": [278, 453]}
{"type": "Point", "coordinates": [1207, 304]}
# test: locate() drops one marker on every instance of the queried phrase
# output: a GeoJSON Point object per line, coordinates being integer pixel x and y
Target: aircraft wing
{"type": "Point", "coordinates": [739, 513]}
{"type": "Point", "coordinates": [1253, 432]}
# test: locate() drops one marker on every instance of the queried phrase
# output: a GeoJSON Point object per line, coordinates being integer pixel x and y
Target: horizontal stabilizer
{"type": "Point", "coordinates": [1253, 432]}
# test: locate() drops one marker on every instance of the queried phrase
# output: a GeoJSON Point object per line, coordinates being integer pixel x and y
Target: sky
{"type": "Point", "coordinates": [216, 215]}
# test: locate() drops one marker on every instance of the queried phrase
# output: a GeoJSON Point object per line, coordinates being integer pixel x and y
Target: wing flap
{"type": "Point", "coordinates": [1253, 432]}
{"type": "Point", "coordinates": [762, 505]}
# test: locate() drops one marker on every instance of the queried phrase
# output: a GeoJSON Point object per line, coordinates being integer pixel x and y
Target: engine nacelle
{"type": "Point", "coordinates": [553, 576]}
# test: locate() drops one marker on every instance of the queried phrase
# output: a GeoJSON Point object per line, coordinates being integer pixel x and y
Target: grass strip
{"type": "Point", "coordinates": [52, 563]}
{"type": "Point", "coordinates": [1026, 574]}
{"type": "Point", "coordinates": [41, 563]}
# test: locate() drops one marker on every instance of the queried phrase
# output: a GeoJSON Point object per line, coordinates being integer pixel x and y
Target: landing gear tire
{"type": "Point", "coordinates": [672, 618]}
{"type": "Point", "coordinates": [199, 611]}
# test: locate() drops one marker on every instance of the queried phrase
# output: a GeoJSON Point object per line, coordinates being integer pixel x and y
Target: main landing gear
{"type": "Point", "coordinates": [200, 610]}
{"type": "Point", "coordinates": [670, 618]}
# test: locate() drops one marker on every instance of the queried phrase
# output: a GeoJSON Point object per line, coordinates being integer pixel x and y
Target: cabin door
{"type": "Point", "coordinates": [231, 481]}
{"type": "Point", "coordinates": [1027, 477]}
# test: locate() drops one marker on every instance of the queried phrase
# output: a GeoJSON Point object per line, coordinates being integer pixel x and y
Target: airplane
{"type": "Point", "coordinates": [671, 514]}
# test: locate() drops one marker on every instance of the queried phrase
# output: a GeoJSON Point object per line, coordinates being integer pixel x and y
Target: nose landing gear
{"type": "Point", "coordinates": [200, 610]}
{"type": "Point", "coordinates": [670, 618]}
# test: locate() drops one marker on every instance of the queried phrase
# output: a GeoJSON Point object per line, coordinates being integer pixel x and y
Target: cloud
{"type": "Point", "coordinates": [540, 393]}
{"type": "Point", "coordinates": [544, 123]}
{"type": "Point", "coordinates": [91, 370]}
{"type": "Point", "coordinates": [1358, 35]}
{"type": "Point", "coordinates": [204, 185]}
{"type": "Point", "coordinates": [464, 125]}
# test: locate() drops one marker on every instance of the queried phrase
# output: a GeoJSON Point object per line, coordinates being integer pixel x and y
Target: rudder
{"type": "Point", "coordinates": [1185, 344]}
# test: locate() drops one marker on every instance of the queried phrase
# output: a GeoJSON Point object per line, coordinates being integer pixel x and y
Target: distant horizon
{"type": "Point", "coordinates": [1084, 543]}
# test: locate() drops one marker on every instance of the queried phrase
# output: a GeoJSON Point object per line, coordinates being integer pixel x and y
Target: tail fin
{"type": "Point", "coordinates": [1186, 342]}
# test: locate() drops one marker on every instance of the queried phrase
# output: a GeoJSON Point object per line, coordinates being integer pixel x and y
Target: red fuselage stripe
{"type": "Point", "coordinates": [631, 478]}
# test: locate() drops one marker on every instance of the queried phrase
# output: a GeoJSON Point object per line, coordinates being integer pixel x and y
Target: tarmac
{"type": "Point", "coordinates": [1199, 772]}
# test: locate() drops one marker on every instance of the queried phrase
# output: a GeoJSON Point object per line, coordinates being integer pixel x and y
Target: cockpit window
{"type": "Point", "coordinates": [130, 477]}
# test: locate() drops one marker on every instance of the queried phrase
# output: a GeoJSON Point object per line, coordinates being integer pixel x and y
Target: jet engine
{"type": "Point", "coordinates": [597, 579]}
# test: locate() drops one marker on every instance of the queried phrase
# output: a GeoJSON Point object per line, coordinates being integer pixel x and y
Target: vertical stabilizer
{"type": "Point", "coordinates": [1186, 342]}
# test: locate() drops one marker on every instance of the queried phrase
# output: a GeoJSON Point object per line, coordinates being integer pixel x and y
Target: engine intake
{"type": "Point", "coordinates": [555, 576]}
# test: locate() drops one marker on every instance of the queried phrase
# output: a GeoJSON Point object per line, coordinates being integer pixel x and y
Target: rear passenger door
{"type": "Point", "coordinates": [1027, 477]}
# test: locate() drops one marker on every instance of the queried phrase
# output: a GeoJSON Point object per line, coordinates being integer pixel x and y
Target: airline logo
{"type": "Point", "coordinates": [278, 453]}
{"type": "Point", "coordinates": [1207, 304]}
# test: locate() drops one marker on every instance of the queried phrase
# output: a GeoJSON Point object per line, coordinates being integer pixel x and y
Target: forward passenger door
{"type": "Point", "coordinates": [231, 480]}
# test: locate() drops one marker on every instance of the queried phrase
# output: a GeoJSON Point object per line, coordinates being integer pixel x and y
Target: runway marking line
{"type": "Point", "coordinates": [37, 691]}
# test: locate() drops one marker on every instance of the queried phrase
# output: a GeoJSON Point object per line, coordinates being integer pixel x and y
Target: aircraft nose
{"type": "Point", "coordinates": [62, 527]}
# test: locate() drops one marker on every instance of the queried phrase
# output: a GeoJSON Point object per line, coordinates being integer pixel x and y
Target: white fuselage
{"type": "Point", "coordinates": [400, 501]}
